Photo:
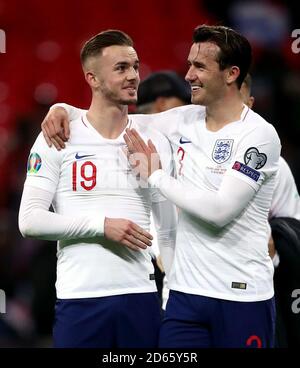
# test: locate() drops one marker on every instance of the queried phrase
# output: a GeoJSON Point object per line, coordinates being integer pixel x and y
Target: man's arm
{"type": "Point", "coordinates": [239, 183]}
{"type": "Point", "coordinates": [56, 125]}
{"type": "Point", "coordinates": [217, 208]}
{"type": "Point", "coordinates": [285, 200]}
{"type": "Point", "coordinates": [165, 220]}
{"type": "Point", "coordinates": [56, 131]}
{"type": "Point", "coordinates": [36, 221]}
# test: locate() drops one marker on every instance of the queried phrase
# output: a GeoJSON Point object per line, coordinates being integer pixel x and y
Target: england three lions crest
{"type": "Point", "coordinates": [222, 150]}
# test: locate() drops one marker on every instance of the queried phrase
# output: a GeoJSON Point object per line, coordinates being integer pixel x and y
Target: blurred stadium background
{"type": "Point", "coordinates": [41, 66]}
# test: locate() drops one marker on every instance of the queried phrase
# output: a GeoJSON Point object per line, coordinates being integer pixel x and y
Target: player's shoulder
{"type": "Point", "coordinates": [146, 130]}
{"type": "Point", "coordinates": [186, 113]}
{"type": "Point", "coordinates": [144, 126]}
{"type": "Point", "coordinates": [284, 168]}
{"type": "Point", "coordinates": [81, 132]}
{"type": "Point", "coordinates": [256, 122]}
{"type": "Point", "coordinates": [77, 123]}
{"type": "Point", "coordinates": [41, 148]}
{"type": "Point", "coordinates": [40, 143]}
{"type": "Point", "coordinates": [189, 109]}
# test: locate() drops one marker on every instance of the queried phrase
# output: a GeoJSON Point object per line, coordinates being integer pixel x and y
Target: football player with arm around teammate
{"type": "Point", "coordinates": [106, 293]}
{"type": "Point", "coordinates": [226, 157]}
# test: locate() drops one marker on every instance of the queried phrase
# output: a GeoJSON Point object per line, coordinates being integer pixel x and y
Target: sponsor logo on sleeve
{"type": "Point", "coordinates": [222, 150]}
{"type": "Point", "coordinates": [246, 170]}
{"type": "Point", "coordinates": [34, 163]}
{"type": "Point", "coordinates": [254, 158]}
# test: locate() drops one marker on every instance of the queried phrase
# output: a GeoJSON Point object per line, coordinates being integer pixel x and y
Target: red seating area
{"type": "Point", "coordinates": [43, 41]}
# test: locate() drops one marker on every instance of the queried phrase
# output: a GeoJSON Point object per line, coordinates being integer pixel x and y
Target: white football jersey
{"type": "Point", "coordinates": [231, 262]}
{"type": "Point", "coordinates": [285, 201]}
{"type": "Point", "coordinates": [91, 176]}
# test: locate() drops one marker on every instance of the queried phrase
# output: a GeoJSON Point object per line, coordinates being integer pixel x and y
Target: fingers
{"type": "Point", "coordinates": [135, 144]}
{"type": "Point", "coordinates": [129, 245]}
{"type": "Point", "coordinates": [151, 146]}
{"type": "Point", "coordinates": [57, 143]}
{"type": "Point", "coordinates": [56, 128]}
{"type": "Point", "coordinates": [56, 136]}
{"type": "Point", "coordinates": [66, 129]}
{"type": "Point", "coordinates": [135, 242]}
{"type": "Point", "coordinates": [143, 239]}
{"type": "Point", "coordinates": [138, 237]}
{"type": "Point", "coordinates": [137, 140]}
{"type": "Point", "coordinates": [46, 133]}
{"type": "Point", "coordinates": [52, 135]}
{"type": "Point", "coordinates": [141, 231]}
{"type": "Point", "coordinates": [128, 143]}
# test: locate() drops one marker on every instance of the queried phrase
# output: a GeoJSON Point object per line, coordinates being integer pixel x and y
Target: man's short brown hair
{"type": "Point", "coordinates": [97, 43]}
{"type": "Point", "coordinates": [235, 49]}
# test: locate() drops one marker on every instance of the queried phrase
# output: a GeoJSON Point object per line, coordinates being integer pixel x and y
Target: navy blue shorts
{"type": "Point", "coordinates": [193, 321]}
{"type": "Point", "coordinates": [121, 321]}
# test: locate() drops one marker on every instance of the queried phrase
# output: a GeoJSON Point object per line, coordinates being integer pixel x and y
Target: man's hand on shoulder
{"type": "Point", "coordinates": [55, 127]}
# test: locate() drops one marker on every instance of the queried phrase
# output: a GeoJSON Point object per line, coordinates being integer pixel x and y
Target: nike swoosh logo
{"type": "Point", "coordinates": [183, 141]}
{"type": "Point", "coordinates": [77, 156]}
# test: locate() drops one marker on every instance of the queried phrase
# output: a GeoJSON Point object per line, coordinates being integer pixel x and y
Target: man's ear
{"type": "Point", "coordinates": [91, 79]}
{"type": "Point", "coordinates": [251, 102]}
{"type": "Point", "coordinates": [232, 74]}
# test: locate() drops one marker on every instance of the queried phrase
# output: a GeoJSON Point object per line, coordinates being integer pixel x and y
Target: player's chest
{"type": "Point", "coordinates": [89, 168]}
{"type": "Point", "coordinates": [203, 157]}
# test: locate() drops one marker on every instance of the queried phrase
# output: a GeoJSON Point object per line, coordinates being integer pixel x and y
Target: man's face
{"type": "Point", "coordinates": [204, 75]}
{"type": "Point", "coordinates": [117, 70]}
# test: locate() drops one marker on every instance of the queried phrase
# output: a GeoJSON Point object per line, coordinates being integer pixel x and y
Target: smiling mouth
{"type": "Point", "coordinates": [195, 88]}
{"type": "Point", "coordinates": [131, 91]}
{"type": "Point", "coordinates": [131, 87]}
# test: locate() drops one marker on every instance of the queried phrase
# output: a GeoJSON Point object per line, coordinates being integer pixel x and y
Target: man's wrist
{"type": "Point", "coordinates": [97, 223]}
{"type": "Point", "coordinates": [155, 177]}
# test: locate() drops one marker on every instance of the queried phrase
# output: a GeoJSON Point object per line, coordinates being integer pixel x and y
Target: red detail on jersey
{"type": "Point", "coordinates": [254, 338]}
{"type": "Point", "coordinates": [182, 151]}
{"type": "Point", "coordinates": [86, 178]}
{"type": "Point", "coordinates": [91, 178]}
{"type": "Point", "coordinates": [74, 176]}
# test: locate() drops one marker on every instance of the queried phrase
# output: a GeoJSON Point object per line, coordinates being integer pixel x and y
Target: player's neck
{"type": "Point", "coordinates": [108, 120]}
{"type": "Point", "coordinates": [223, 112]}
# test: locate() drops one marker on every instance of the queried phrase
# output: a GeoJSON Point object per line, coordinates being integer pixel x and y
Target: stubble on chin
{"type": "Point", "coordinates": [195, 101]}
{"type": "Point", "coordinates": [131, 101]}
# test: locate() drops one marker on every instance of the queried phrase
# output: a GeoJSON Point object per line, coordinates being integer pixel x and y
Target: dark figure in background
{"type": "Point", "coordinates": [284, 247]}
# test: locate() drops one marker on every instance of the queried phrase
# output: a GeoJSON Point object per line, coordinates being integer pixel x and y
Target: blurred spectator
{"type": "Point", "coordinates": [284, 246]}
{"type": "Point", "coordinates": [27, 267]}
{"type": "Point", "coordinates": [162, 91]}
